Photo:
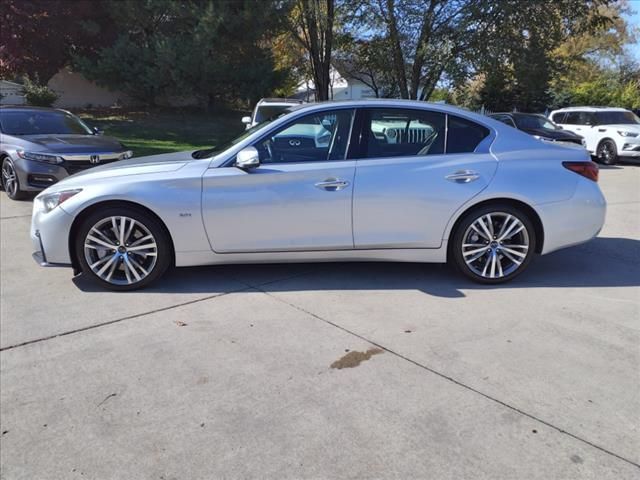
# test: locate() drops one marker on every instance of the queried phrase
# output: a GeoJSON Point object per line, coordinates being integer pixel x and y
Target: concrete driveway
{"type": "Point", "coordinates": [327, 371]}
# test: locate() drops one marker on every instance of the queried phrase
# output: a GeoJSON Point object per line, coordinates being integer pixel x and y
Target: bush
{"type": "Point", "coordinates": [38, 95]}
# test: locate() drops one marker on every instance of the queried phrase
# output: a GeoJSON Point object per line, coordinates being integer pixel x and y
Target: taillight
{"type": "Point", "coordinates": [586, 169]}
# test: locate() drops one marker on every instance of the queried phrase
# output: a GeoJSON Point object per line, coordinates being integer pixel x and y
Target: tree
{"type": "Point", "coordinates": [520, 64]}
{"type": "Point", "coordinates": [201, 48]}
{"type": "Point", "coordinates": [426, 38]}
{"type": "Point", "coordinates": [38, 37]}
{"type": "Point", "coordinates": [312, 25]}
{"type": "Point", "coordinates": [367, 62]}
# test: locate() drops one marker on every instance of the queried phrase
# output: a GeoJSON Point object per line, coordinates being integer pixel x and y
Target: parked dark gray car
{"type": "Point", "coordinates": [40, 146]}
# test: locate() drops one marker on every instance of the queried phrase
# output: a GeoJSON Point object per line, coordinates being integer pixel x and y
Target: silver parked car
{"type": "Point", "coordinates": [40, 146]}
{"type": "Point", "coordinates": [374, 180]}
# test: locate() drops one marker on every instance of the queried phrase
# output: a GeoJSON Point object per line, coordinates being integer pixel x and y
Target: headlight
{"type": "Point", "coordinates": [40, 157]}
{"type": "Point", "coordinates": [47, 202]}
{"type": "Point", "coordinates": [624, 133]}
{"type": "Point", "coordinates": [125, 155]}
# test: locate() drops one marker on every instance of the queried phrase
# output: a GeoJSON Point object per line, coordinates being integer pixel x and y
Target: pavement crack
{"type": "Point", "coordinates": [107, 398]}
{"type": "Point", "coordinates": [248, 287]}
{"type": "Point", "coordinates": [15, 216]}
{"type": "Point", "coordinates": [118, 320]}
{"type": "Point", "coordinates": [454, 381]}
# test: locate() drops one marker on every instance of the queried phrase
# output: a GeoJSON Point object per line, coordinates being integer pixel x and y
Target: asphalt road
{"type": "Point", "coordinates": [327, 371]}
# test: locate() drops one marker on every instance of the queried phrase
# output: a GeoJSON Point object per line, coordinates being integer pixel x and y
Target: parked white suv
{"type": "Point", "coordinates": [268, 108]}
{"type": "Point", "coordinates": [609, 133]}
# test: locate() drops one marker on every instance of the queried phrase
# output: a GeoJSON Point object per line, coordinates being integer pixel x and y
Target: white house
{"type": "Point", "coordinates": [11, 93]}
{"type": "Point", "coordinates": [75, 91]}
{"type": "Point", "coordinates": [341, 88]}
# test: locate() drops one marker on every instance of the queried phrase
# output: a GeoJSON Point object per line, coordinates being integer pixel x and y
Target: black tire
{"type": "Point", "coordinates": [163, 253]}
{"type": "Point", "coordinates": [607, 152]}
{"type": "Point", "coordinates": [12, 189]}
{"type": "Point", "coordinates": [498, 212]}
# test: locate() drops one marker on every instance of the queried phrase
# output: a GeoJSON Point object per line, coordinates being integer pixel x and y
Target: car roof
{"type": "Point", "coordinates": [591, 109]}
{"type": "Point", "coordinates": [283, 101]}
{"type": "Point", "coordinates": [27, 108]}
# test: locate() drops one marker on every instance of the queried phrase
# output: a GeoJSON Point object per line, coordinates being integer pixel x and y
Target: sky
{"type": "Point", "coordinates": [634, 20]}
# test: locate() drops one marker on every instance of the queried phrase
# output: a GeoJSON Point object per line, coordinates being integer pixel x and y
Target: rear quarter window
{"type": "Point", "coordinates": [464, 136]}
{"type": "Point", "coordinates": [558, 117]}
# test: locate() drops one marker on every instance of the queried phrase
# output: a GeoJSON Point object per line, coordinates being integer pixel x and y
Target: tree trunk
{"type": "Point", "coordinates": [398, 58]}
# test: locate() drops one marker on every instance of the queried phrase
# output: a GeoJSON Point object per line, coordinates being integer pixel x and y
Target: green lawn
{"type": "Point", "coordinates": [153, 132]}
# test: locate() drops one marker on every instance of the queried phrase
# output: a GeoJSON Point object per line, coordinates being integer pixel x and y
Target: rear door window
{"type": "Point", "coordinates": [573, 118]}
{"type": "Point", "coordinates": [464, 136]}
{"type": "Point", "coordinates": [394, 132]}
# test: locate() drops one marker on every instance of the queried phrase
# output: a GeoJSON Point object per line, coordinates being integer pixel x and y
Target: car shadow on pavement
{"type": "Point", "coordinates": [603, 262]}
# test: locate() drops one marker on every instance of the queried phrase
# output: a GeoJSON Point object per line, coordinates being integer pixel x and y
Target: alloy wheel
{"type": "Point", "coordinates": [120, 250]}
{"type": "Point", "coordinates": [495, 245]}
{"type": "Point", "coordinates": [607, 153]}
{"type": "Point", "coordinates": [9, 179]}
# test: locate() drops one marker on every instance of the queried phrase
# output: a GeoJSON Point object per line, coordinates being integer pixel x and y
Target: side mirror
{"type": "Point", "coordinates": [246, 120]}
{"type": "Point", "coordinates": [97, 131]}
{"type": "Point", "coordinates": [247, 158]}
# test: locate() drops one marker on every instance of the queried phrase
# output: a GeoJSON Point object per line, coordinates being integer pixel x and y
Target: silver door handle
{"type": "Point", "coordinates": [463, 176]}
{"type": "Point", "coordinates": [332, 184]}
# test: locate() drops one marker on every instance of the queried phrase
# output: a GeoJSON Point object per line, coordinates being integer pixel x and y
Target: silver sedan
{"type": "Point", "coordinates": [375, 180]}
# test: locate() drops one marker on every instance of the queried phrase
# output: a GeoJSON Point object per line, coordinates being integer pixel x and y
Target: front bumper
{"type": "Point", "coordinates": [49, 237]}
{"type": "Point", "coordinates": [36, 176]}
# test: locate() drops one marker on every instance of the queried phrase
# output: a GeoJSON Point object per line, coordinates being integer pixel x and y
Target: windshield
{"type": "Point", "coordinates": [616, 118]}
{"type": "Point", "coordinates": [210, 152]}
{"type": "Point", "coordinates": [533, 122]}
{"type": "Point", "coordinates": [41, 122]}
{"type": "Point", "coordinates": [265, 112]}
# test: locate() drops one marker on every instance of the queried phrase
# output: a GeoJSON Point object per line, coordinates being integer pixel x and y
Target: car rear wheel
{"type": "Point", "coordinates": [123, 249]}
{"type": "Point", "coordinates": [10, 182]}
{"type": "Point", "coordinates": [607, 152]}
{"type": "Point", "coordinates": [493, 244]}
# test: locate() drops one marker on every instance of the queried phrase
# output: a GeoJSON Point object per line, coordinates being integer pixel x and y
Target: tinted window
{"type": "Point", "coordinates": [41, 122]}
{"type": "Point", "coordinates": [586, 118]}
{"type": "Point", "coordinates": [558, 117]}
{"type": "Point", "coordinates": [533, 122]}
{"type": "Point", "coordinates": [313, 138]}
{"type": "Point", "coordinates": [613, 118]}
{"type": "Point", "coordinates": [463, 135]}
{"type": "Point", "coordinates": [573, 118]}
{"type": "Point", "coordinates": [504, 119]}
{"type": "Point", "coordinates": [266, 112]}
{"type": "Point", "coordinates": [390, 132]}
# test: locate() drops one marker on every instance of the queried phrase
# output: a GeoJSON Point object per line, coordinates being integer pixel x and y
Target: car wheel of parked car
{"type": "Point", "coordinates": [493, 244]}
{"type": "Point", "coordinates": [607, 152]}
{"type": "Point", "coordinates": [10, 182]}
{"type": "Point", "coordinates": [123, 248]}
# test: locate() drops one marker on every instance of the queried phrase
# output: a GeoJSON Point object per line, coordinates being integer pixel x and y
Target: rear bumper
{"type": "Point", "coordinates": [574, 221]}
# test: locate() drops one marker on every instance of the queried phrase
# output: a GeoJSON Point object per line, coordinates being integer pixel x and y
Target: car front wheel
{"type": "Point", "coordinates": [10, 182]}
{"type": "Point", "coordinates": [123, 249]}
{"type": "Point", "coordinates": [607, 152]}
{"type": "Point", "coordinates": [493, 244]}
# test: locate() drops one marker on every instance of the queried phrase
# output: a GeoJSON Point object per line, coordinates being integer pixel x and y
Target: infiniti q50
{"type": "Point", "coordinates": [374, 180]}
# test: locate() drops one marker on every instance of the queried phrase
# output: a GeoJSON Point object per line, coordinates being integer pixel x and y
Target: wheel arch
{"type": "Point", "coordinates": [77, 222]}
{"type": "Point", "coordinates": [525, 207]}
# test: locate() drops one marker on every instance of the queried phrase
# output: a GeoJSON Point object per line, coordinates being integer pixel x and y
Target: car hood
{"type": "Point", "coordinates": [75, 143]}
{"type": "Point", "coordinates": [553, 134]}
{"type": "Point", "coordinates": [167, 162]}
